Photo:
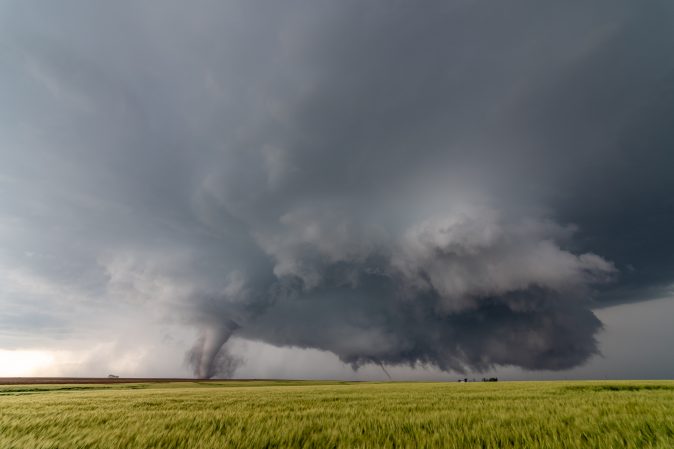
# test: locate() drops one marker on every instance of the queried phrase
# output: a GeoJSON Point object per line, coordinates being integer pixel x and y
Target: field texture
{"type": "Point", "coordinates": [339, 415]}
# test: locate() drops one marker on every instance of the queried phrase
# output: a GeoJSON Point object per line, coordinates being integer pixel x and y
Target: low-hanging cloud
{"type": "Point", "coordinates": [465, 291]}
{"type": "Point", "coordinates": [449, 184]}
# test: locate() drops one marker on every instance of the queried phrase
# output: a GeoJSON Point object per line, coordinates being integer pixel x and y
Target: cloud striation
{"type": "Point", "coordinates": [449, 184]}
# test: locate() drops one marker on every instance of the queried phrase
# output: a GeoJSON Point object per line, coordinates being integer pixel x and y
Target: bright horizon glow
{"type": "Point", "coordinates": [25, 363]}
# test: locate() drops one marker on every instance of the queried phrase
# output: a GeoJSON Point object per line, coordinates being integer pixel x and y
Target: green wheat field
{"type": "Point", "coordinates": [285, 414]}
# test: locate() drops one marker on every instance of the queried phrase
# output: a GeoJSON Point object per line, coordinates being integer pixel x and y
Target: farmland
{"type": "Point", "coordinates": [284, 414]}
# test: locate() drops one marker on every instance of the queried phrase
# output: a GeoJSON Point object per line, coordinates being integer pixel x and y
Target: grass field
{"type": "Point", "coordinates": [234, 414]}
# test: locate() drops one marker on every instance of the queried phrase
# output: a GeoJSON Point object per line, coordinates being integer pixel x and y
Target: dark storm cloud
{"type": "Point", "coordinates": [442, 183]}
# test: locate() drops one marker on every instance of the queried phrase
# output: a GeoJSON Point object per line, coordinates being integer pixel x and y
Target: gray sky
{"type": "Point", "coordinates": [305, 189]}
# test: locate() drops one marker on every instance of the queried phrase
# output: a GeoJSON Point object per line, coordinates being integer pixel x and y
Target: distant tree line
{"type": "Point", "coordinates": [484, 379]}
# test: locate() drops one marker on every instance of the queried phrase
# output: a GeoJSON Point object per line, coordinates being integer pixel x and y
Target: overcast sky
{"type": "Point", "coordinates": [321, 189]}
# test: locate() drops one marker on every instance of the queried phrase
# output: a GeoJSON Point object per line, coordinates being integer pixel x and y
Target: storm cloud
{"type": "Point", "coordinates": [450, 184]}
